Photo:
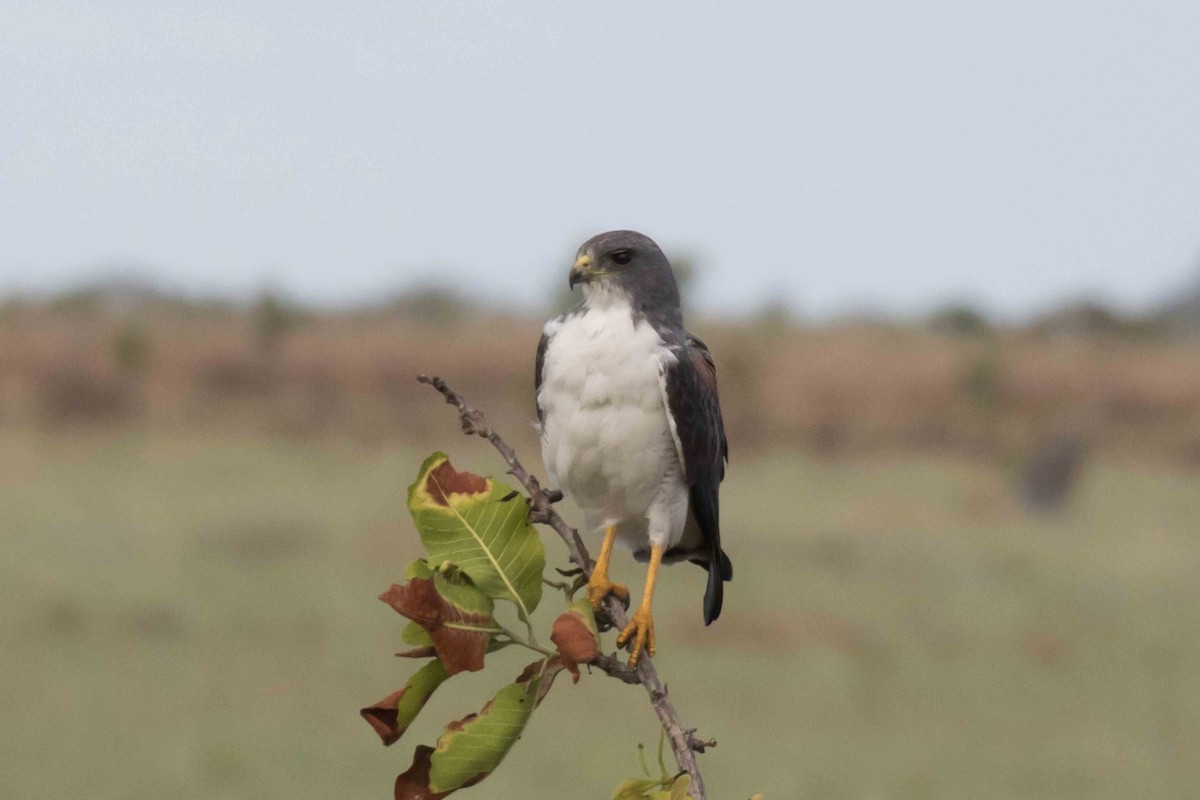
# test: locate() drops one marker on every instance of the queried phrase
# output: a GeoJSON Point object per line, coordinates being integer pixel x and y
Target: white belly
{"type": "Point", "coordinates": [606, 438]}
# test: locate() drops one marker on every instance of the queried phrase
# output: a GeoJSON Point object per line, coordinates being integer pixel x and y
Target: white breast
{"type": "Point", "coordinates": [606, 439]}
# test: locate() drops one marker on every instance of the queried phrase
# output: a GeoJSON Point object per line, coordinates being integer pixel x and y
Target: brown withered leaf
{"type": "Point", "coordinates": [553, 667]}
{"type": "Point", "coordinates": [413, 784]}
{"type": "Point", "coordinates": [392, 715]}
{"type": "Point", "coordinates": [382, 717]}
{"type": "Point", "coordinates": [445, 480]}
{"type": "Point", "coordinates": [460, 630]}
{"type": "Point", "coordinates": [574, 634]}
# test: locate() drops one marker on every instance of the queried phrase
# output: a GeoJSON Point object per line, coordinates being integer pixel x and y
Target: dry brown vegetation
{"type": "Point", "coordinates": [854, 388]}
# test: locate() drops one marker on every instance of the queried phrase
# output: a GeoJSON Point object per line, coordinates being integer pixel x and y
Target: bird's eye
{"type": "Point", "coordinates": [622, 257]}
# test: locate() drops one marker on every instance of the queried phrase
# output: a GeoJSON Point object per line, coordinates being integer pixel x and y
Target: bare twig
{"type": "Point", "coordinates": [541, 504]}
{"type": "Point", "coordinates": [700, 745]}
{"type": "Point", "coordinates": [616, 668]}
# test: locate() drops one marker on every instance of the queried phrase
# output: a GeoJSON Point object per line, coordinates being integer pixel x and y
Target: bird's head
{"type": "Point", "coordinates": [626, 263]}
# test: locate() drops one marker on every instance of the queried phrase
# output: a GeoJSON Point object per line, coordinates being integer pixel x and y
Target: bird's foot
{"type": "Point", "coordinates": [600, 587]}
{"type": "Point", "coordinates": [640, 631]}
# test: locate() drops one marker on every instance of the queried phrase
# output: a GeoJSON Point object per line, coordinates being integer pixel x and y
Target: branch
{"type": "Point", "coordinates": [684, 744]}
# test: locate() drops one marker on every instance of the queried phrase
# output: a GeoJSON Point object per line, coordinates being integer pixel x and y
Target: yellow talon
{"type": "Point", "coordinates": [600, 587]}
{"type": "Point", "coordinates": [641, 628]}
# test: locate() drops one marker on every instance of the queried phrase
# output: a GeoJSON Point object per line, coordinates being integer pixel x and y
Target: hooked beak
{"type": "Point", "coordinates": [581, 272]}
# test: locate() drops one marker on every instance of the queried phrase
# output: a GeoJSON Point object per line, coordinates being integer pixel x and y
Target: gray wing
{"type": "Point", "coordinates": [538, 363]}
{"type": "Point", "coordinates": [691, 389]}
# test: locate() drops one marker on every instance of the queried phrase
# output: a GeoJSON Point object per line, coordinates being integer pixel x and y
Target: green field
{"type": "Point", "coordinates": [195, 617]}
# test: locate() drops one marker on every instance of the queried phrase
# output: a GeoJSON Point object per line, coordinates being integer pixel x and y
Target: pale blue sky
{"type": "Point", "coordinates": [842, 154]}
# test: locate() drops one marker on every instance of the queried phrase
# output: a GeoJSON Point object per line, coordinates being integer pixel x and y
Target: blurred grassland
{"type": "Point", "coordinates": [859, 388]}
{"type": "Point", "coordinates": [193, 615]}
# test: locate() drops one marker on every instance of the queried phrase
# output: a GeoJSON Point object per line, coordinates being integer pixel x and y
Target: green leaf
{"type": "Point", "coordinates": [636, 789]}
{"type": "Point", "coordinates": [668, 787]}
{"type": "Point", "coordinates": [419, 569]}
{"type": "Point", "coordinates": [413, 634]}
{"type": "Point", "coordinates": [679, 789]}
{"type": "Point", "coordinates": [466, 520]}
{"type": "Point", "coordinates": [649, 789]}
{"type": "Point", "coordinates": [392, 715]}
{"type": "Point", "coordinates": [457, 589]}
{"type": "Point", "coordinates": [471, 748]}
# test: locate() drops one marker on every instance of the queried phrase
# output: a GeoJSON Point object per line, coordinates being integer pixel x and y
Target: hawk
{"type": "Point", "coordinates": [630, 422]}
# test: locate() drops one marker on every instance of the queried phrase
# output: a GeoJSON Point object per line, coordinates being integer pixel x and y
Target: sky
{"type": "Point", "coordinates": [837, 156]}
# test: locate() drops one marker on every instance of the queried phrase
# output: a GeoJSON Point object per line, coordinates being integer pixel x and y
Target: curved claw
{"type": "Point", "coordinates": [641, 629]}
{"type": "Point", "coordinates": [600, 587]}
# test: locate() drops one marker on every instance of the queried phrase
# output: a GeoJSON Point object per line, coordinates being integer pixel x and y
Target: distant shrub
{"type": "Point", "coordinates": [10, 307]}
{"type": "Point", "coordinates": [1181, 312]}
{"type": "Point", "coordinates": [77, 302]}
{"type": "Point", "coordinates": [233, 377]}
{"type": "Point", "coordinates": [274, 318]}
{"type": "Point", "coordinates": [684, 265]}
{"type": "Point", "coordinates": [436, 304]}
{"type": "Point", "coordinates": [1052, 471]}
{"type": "Point", "coordinates": [131, 350]}
{"type": "Point", "coordinates": [982, 380]}
{"type": "Point", "coordinates": [959, 320]}
{"type": "Point", "coordinates": [71, 394]}
{"type": "Point", "coordinates": [1092, 317]}
{"type": "Point", "coordinates": [774, 314]}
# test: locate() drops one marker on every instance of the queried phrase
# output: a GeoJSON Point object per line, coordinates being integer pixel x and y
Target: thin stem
{"type": "Point", "coordinates": [533, 642]}
{"type": "Point", "coordinates": [532, 645]}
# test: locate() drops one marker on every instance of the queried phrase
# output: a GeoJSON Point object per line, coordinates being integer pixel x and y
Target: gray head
{"type": "Point", "coordinates": [631, 264]}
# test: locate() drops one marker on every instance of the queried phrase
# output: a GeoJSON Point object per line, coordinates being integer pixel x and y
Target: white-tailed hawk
{"type": "Point", "coordinates": [630, 422]}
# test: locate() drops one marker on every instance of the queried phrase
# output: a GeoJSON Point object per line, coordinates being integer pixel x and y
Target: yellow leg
{"type": "Point", "coordinates": [599, 586]}
{"type": "Point", "coordinates": [641, 627]}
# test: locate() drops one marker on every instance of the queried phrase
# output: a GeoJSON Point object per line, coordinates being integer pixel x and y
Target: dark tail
{"type": "Point", "coordinates": [720, 569]}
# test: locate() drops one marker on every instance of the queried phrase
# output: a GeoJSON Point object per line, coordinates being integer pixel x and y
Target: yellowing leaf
{"type": "Point", "coordinates": [635, 789]}
{"type": "Point", "coordinates": [392, 715]}
{"type": "Point", "coordinates": [419, 569]}
{"type": "Point", "coordinates": [413, 783]}
{"type": "Point", "coordinates": [668, 787]}
{"type": "Point", "coordinates": [472, 747]}
{"type": "Point", "coordinates": [483, 528]}
{"type": "Point", "coordinates": [413, 634]}
{"type": "Point", "coordinates": [679, 789]}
